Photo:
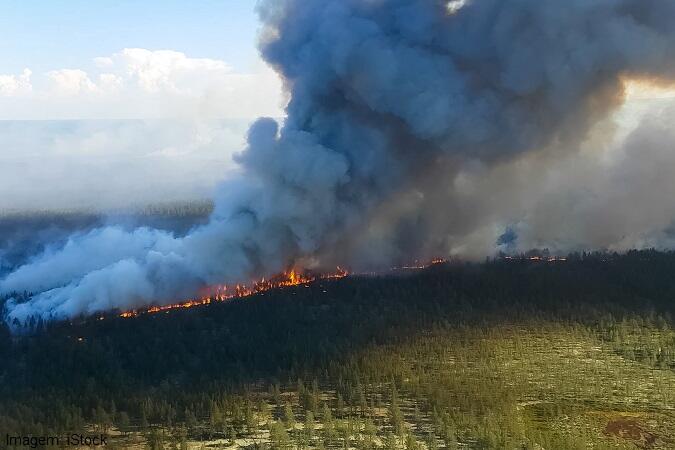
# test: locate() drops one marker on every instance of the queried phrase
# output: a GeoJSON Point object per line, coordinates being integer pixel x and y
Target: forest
{"type": "Point", "coordinates": [505, 354]}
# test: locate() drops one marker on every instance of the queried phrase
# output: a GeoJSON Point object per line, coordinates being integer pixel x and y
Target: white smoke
{"type": "Point", "coordinates": [106, 164]}
{"type": "Point", "coordinates": [401, 116]}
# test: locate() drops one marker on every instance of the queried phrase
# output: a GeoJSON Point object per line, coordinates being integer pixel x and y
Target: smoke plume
{"type": "Point", "coordinates": [409, 129]}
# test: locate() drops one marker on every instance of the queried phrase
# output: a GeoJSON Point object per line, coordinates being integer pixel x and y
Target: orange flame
{"type": "Point", "coordinates": [535, 258]}
{"type": "Point", "coordinates": [222, 293]}
{"type": "Point", "coordinates": [417, 265]}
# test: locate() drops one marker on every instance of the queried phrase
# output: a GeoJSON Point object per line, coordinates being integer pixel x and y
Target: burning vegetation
{"type": "Point", "coordinates": [297, 277]}
{"type": "Point", "coordinates": [223, 292]}
{"type": "Point", "coordinates": [293, 277]}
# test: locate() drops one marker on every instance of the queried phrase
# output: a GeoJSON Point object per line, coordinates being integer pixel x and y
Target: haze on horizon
{"type": "Point", "coordinates": [118, 104]}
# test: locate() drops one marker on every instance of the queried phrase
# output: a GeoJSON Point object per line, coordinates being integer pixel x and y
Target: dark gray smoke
{"type": "Point", "coordinates": [395, 106]}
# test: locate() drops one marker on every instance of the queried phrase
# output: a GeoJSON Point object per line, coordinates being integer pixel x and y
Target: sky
{"type": "Point", "coordinates": [108, 59]}
{"type": "Point", "coordinates": [110, 100]}
{"type": "Point", "coordinates": [47, 35]}
{"type": "Point", "coordinates": [103, 101]}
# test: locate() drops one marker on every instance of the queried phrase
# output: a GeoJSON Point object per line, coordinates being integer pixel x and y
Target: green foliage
{"type": "Point", "coordinates": [390, 441]}
{"type": "Point", "coordinates": [279, 437]}
{"type": "Point", "coordinates": [498, 355]}
{"type": "Point", "coordinates": [395, 414]}
{"type": "Point", "coordinates": [431, 441]}
{"type": "Point", "coordinates": [289, 416]}
{"type": "Point", "coordinates": [155, 439]}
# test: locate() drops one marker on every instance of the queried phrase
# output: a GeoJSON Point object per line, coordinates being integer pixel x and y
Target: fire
{"type": "Point", "coordinates": [222, 293]}
{"type": "Point", "coordinates": [421, 265]}
{"type": "Point", "coordinates": [536, 258]}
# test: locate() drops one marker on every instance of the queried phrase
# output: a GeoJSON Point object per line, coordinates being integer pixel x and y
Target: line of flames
{"type": "Point", "coordinates": [421, 266]}
{"type": "Point", "coordinates": [536, 258]}
{"type": "Point", "coordinates": [222, 293]}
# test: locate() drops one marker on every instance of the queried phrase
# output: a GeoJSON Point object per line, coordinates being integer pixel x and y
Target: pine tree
{"type": "Point", "coordinates": [309, 425]}
{"type": "Point", "coordinates": [395, 414]}
{"type": "Point", "coordinates": [279, 438]}
{"type": "Point", "coordinates": [289, 417]}
{"type": "Point", "coordinates": [123, 422]}
{"type": "Point", "coordinates": [411, 442]}
{"type": "Point", "coordinates": [340, 409]}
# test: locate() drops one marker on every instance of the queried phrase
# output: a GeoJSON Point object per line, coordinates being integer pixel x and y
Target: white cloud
{"type": "Point", "coordinates": [11, 85]}
{"type": "Point", "coordinates": [137, 83]}
{"type": "Point", "coordinates": [171, 71]}
{"type": "Point", "coordinates": [111, 83]}
{"type": "Point", "coordinates": [103, 62]}
{"type": "Point", "coordinates": [165, 128]}
{"type": "Point", "coordinates": [71, 82]}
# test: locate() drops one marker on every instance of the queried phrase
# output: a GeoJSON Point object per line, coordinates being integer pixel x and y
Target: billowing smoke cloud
{"type": "Point", "coordinates": [398, 108]}
{"type": "Point", "coordinates": [613, 193]}
{"type": "Point", "coordinates": [615, 199]}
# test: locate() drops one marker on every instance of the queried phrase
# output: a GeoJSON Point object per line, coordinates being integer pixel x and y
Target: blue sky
{"type": "Point", "coordinates": [53, 34]}
{"type": "Point", "coordinates": [157, 92]}
{"type": "Point", "coordinates": [131, 59]}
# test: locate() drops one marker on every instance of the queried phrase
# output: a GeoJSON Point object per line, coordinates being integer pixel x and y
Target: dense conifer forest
{"type": "Point", "coordinates": [504, 354]}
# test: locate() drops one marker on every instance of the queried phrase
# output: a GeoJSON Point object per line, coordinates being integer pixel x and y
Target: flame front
{"type": "Point", "coordinates": [221, 293]}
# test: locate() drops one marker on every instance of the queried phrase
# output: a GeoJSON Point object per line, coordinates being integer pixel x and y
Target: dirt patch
{"type": "Point", "coordinates": [632, 430]}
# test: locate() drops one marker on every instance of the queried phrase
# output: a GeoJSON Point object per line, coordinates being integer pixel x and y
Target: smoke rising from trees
{"type": "Point", "coordinates": [410, 130]}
